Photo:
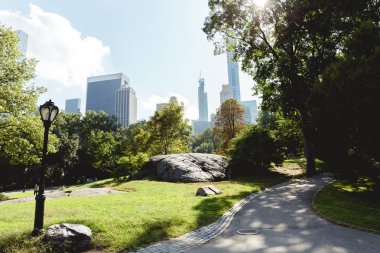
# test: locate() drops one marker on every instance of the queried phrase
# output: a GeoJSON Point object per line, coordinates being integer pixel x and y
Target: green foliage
{"type": "Point", "coordinates": [203, 142]}
{"type": "Point", "coordinates": [3, 197]}
{"type": "Point", "coordinates": [252, 152]}
{"type": "Point", "coordinates": [135, 138]}
{"type": "Point", "coordinates": [129, 165]}
{"type": "Point", "coordinates": [169, 131]}
{"type": "Point", "coordinates": [22, 140]}
{"type": "Point", "coordinates": [286, 47]}
{"type": "Point", "coordinates": [346, 102]}
{"type": "Point", "coordinates": [228, 123]}
{"type": "Point", "coordinates": [16, 97]}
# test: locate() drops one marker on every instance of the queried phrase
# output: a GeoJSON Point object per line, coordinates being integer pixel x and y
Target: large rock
{"type": "Point", "coordinates": [69, 237]}
{"type": "Point", "coordinates": [192, 167]}
{"type": "Point", "coordinates": [207, 190]}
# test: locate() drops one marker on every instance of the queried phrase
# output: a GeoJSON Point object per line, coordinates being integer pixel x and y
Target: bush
{"type": "Point", "coordinates": [129, 165]}
{"type": "Point", "coordinates": [3, 197]}
{"type": "Point", "coordinates": [252, 151]}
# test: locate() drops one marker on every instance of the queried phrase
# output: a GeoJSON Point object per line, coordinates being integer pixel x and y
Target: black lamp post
{"type": "Point", "coordinates": [48, 112]}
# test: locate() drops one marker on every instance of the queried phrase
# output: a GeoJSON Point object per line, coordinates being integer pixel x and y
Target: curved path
{"type": "Point", "coordinates": [287, 224]}
{"type": "Point", "coordinates": [55, 193]}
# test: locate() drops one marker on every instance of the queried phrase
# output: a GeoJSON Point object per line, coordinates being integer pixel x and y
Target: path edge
{"type": "Point", "coordinates": [206, 233]}
{"type": "Point", "coordinates": [337, 222]}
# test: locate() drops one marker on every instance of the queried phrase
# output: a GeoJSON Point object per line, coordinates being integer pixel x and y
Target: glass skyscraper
{"type": "Point", "coordinates": [113, 95]}
{"type": "Point", "coordinates": [202, 100]}
{"type": "Point", "coordinates": [23, 40]}
{"type": "Point", "coordinates": [233, 76]}
{"type": "Point", "coordinates": [72, 105]}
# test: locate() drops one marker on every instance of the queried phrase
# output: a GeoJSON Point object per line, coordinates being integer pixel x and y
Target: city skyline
{"type": "Point", "coordinates": [162, 58]}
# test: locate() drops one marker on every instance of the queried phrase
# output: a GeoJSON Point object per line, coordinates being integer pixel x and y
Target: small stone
{"type": "Point", "coordinates": [207, 190]}
{"type": "Point", "coordinates": [69, 237]}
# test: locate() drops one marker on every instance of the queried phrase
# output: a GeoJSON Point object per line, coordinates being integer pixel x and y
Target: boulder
{"type": "Point", "coordinates": [207, 190]}
{"type": "Point", "coordinates": [190, 167]}
{"type": "Point", "coordinates": [68, 237]}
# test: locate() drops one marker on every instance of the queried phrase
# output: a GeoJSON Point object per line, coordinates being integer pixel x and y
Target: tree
{"type": "Point", "coordinates": [229, 122]}
{"type": "Point", "coordinates": [203, 142]}
{"type": "Point", "coordinates": [286, 46]}
{"type": "Point", "coordinates": [129, 165]}
{"type": "Point", "coordinates": [16, 97]}
{"type": "Point", "coordinates": [252, 151]}
{"type": "Point", "coordinates": [169, 130]}
{"type": "Point", "coordinates": [348, 100]}
{"type": "Point", "coordinates": [135, 138]}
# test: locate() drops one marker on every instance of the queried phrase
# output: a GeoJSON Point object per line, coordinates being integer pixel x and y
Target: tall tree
{"type": "Point", "coordinates": [229, 122]}
{"type": "Point", "coordinates": [286, 46]}
{"type": "Point", "coordinates": [16, 97]}
{"type": "Point", "coordinates": [169, 130]}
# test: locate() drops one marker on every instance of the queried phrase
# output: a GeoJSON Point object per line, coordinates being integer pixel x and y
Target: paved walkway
{"type": "Point", "coordinates": [287, 224]}
{"type": "Point", "coordinates": [55, 193]}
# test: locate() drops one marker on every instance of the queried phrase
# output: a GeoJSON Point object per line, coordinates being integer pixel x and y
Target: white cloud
{"type": "Point", "coordinates": [191, 111]}
{"type": "Point", "coordinates": [64, 54]}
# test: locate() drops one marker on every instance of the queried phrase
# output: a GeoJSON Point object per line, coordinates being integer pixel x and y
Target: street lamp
{"type": "Point", "coordinates": [48, 112]}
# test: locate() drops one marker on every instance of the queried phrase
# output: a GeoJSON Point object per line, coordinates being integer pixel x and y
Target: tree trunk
{"type": "Point", "coordinates": [307, 145]}
{"type": "Point", "coordinates": [309, 154]}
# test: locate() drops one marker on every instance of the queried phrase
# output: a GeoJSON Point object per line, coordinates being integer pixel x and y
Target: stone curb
{"type": "Point", "coordinates": [204, 234]}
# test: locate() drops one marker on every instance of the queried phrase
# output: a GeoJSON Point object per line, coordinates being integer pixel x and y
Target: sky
{"type": "Point", "coordinates": [158, 44]}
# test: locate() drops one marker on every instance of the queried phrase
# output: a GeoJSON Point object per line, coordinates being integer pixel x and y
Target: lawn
{"type": "Point", "coordinates": [148, 211]}
{"type": "Point", "coordinates": [353, 204]}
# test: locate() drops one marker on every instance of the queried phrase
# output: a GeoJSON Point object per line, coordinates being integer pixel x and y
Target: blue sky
{"type": "Point", "coordinates": [158, 44]}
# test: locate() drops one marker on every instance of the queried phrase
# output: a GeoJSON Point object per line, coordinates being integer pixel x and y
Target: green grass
{"type": "Point", "coordinates": [353, 204]}
{"type": "Point", "coordinates": [3, 197]}
{"type": "Point", "coordinates": [149, 211]}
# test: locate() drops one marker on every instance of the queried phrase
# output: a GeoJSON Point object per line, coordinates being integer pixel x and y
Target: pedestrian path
{"type": "Point", "coordinates": [285, 221]}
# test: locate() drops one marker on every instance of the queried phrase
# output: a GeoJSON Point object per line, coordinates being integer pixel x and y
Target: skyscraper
{"type": "Point", "coordinates": [250, 111]}
{"type": "Point", "coordinates": [161, 105]}
{"type": "Point", "coordinates": [233, 76]}
{"type": "Point", "coordinates": [126, 106]}
{"type": "Point", "coordinates": [225, 93]}
{"type": "Point", "coordinates": [113, 95]}
{"type": "Point", "coordinates": [23, 38]}
{"type": "Point", "coordinates": [202, 100]}
{"type": "Point", "coordinates": [72, 105]}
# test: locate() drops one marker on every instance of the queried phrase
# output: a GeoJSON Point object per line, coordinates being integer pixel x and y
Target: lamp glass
{"type": "Point", "coordinates": [54, 113]}
{"type": "Point", "coordinates": [45, 113]}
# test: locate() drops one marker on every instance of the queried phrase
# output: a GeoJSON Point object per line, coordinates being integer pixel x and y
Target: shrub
{"type": "Point", "coordinates": [129, 165]}
{"type": "Point", "coordinates": [3, 197]}
{"type": "Point", "coordinates": [252, 151]}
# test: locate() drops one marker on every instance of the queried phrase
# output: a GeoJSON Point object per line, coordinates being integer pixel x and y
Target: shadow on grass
{"type": "Point", "coordinates": [212, 207]}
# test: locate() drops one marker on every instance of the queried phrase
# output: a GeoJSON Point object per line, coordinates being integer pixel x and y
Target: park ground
{"type": "Point", "coordinates": [150, 211]}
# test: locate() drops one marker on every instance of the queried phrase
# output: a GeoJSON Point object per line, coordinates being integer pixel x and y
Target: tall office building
{"type": "Point", "coordinates": [202, 100]}
{"type": "Point", "coordinates": [225, 93]}
{"type": "Point", "coordinates": [72, 105]}
{"type": "Point", "coordinates": [250, 111]}
{"type": "Point", "coordinates": [112, 94]}
{"type": "Point", "coordinates": [233, 76]}
{"type": "Point", "coordinates": [126, 106]}
{"type": "Point", "coordinates": [161, 105]}
{"type": "Point", "coordinates": [23, 40]}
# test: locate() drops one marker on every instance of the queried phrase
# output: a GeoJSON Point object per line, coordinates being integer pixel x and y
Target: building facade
{"type": "Point", "coordinates": [72, 105]}
{"type": "Point", "coordinates": [250, 111]}
{"type": "Point", "coordinates": [23, 40]}
{"type": "Point", "coordinates": [202, 101]}
{"type": "Point", "coordinates": [160, 106]}
{"type": "Point", "coordinates": [199, 126]}
{"type": "Point", "coordinates": [233, 76]}
{"type": "Point", "coordinates": [125, 106]}
{"type": "Point", "coordinates": [225, 93]}
{"type": "Point", "coordinates": [113, 95]}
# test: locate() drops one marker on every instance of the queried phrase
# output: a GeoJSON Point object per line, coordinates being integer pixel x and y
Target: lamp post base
{"type": "Point", "coordinates": [37, 232]}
